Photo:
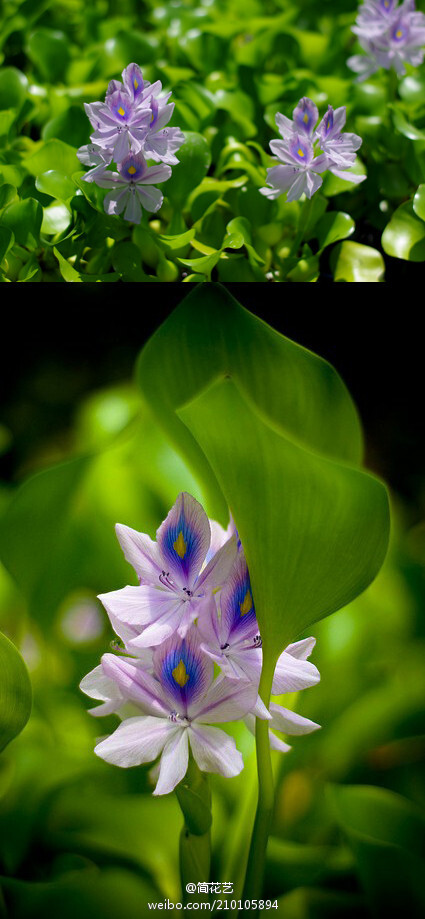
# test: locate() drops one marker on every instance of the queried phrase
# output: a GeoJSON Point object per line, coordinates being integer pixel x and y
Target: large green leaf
{"type": "Point", "coordinates": [314, 531]}
{"type": "Point", "coordinates": [210, 334]}
{"type": "Point", "coordinates": [387, 835]}
{"type": "Point", "coordinates": [15, 692]}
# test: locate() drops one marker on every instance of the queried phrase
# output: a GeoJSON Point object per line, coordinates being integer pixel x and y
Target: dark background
{"type": "Point", "coordinates": [88, 337]}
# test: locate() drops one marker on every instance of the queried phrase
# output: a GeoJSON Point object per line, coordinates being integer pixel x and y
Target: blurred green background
{"type": "Point", "coordinates": [81, 452]}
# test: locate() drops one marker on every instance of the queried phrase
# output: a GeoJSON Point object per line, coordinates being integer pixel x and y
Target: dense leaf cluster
{"type": "Point", "coordinates": [231, 65]}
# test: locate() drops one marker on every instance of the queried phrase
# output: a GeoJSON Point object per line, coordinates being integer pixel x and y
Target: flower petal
{"type": "Point", "coordinates": [289, 722]}
{"type": "Point", "coordinates": [226, 700]}
{"type": "Point", "coordinates": [174, 762]}
{"type": "Point", "coordinates": [291, 674]}
{"type": "Point", "coordinates": [137, 740]}
{"type": "Point", "coordinates": [183, 540]}
{"type": "Point", "coordinates": [215, 751]}
{"type": "Point", "coordinates": [141, 551]}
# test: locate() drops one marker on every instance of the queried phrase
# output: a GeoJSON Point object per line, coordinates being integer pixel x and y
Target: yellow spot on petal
{"type": "Point", "coordinates": [300, 152]}
{"type": "Point", "coordinates": [121, 111]}
{"type": "Point", "coordinates": [135, 84]}
{"type": "Point", "coordinates": [179, 673]}
{"type": "Point", "coordinates": [246, 604]}
{"type": "Point", "coordinates": [305, 119]}
{"type": "Point", "coordinates": [180, 546]}
{"type": "Point", "coordinates": [132, 170]}
{"type": "Point", "coordinates": [399, 33]}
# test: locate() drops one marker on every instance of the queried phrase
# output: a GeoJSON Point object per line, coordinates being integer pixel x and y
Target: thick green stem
{"type": "Point", "coordinates": [263, 818]}
{"type": "Point", "coordinates": [193, 795]}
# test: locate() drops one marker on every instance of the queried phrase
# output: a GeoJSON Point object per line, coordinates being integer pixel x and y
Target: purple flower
{"type": "Point", "coordinates": [175, 579]}
{"type": "Point", "coordinates": [300, 169]}
{"type": "Point", "coordinates": [391, 35]}
{"type": "Point", "coordinates": [129, 192]}
{"type": "Point", "coordinates": [177, 704]}
{"type": "Point", "coordinates": [120, 125]}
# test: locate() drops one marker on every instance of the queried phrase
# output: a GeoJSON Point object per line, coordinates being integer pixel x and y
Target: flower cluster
{"type": "Point", "coordinates": [390, 34]}
{"type": "Point", "coordinates": [192, 612]}
{"type": "Point", "coordinates": [129, 128]}
{"type": "Point", "coordinates": [300, 169]}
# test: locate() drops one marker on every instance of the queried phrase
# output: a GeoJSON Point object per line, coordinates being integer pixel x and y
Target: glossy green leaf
{"type": "Point", "coordinates": [306, 269]}
{"type": "Point", "coordinates": [52, 155]}
{"type": "Point", "coordinates": [15, 692]}
{"type": "Point", "coordinates": [56, 219]}
{"type": "Point", "coordinates": [404, 127]}
{"type": "Point", "coordinates": [13, 88]}
{"type": "Point", "coordinates": [71, 126]}
{"type": "Point", "coordinates": [355, 262]}
{"type": "Point", "coordinates": [66, 269]}
{"type": "Point", "coordinates": [387, 835]}
{"type": "Point", "coordinates": [322, 525]}
{"type": "Point", "coordinates": [56, 184]}
{"type": "Point", "coordinates": [412, 88]}
{"type": "Point", "coordinates": [419, 202]}
{"type": "Point", "coordinates": [7, 194]}
{"type": "Point", "coordinates": [194, 161]}
{"type": "Point", "coordinates": [332, 227]}
{"type": "Point", "coordinates": [24, 219]}
{"type": "Point", "coordinates": [269, 367]}
{"type": "Point", "coordinates": [404, 235]}
{"type": "Point", "coordinates": [49, 51]}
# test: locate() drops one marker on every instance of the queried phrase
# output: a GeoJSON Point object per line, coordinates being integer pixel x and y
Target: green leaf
{"type": "Point", "coordinates": [15, 692]}
{"type": "Point", "coordinates": [71, 126]}
{"type": "Point", "coordinates": [13, 88]}
{"type": "Point", "coordinates": [56, 219]}
{"type": "Point", "coordinates": [6, 241]}
{"type": "Point", "coordinates": [194, 162]}
{"type": "Point", "coordinates": [56, 184]}
{"type": "Point", "coordinates": [53, 155]}
{"type": "Point", "coordinates": [404, 235]}
{"type": "Point", "coordinates": [323, 526]}
{"type": "Point", "coordinates": [296, 391]}
{"type": "Point", "coordinates": [7, 194]}
{"type": "Point", "coordinates": [355, 262]}
{"type": "Point", "coordinates": [332, 227]}
{"type": "Point", "coordinates": [419, 202]}
{"type": "Point", "coordinates": [49, 51]}
{"type": "Point", "coordinates": [24, 219]}
{"type": "Point", "coordinates": [404, 127]}
{"type": "Point", "coordinates": [412, 88]}
{"type": "Point", "coordinates": [67, 271]}
{"type": "Point", "coordinates": [386, 833]}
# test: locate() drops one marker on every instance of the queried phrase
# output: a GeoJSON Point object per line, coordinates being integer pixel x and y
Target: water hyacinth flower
{"type": "Point", "coordinates": [132, 187]}
{"type": "Point", "coordinates": [177, 704]}
{"type": "Point", "coordinates": [390, 34]}
{"type": "Point", "coordinates": [192, 613]}
{"type": "Point", "coordinates": [175, 581]}
{"type": "Point", "coordinates": [304, 153]}
{"type": "Point", "coordinates": [130, 127]}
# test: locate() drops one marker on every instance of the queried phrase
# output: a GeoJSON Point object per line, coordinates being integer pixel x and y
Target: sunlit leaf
{"type": "Point", "coordinates": [322, 525]}
{"type": "Point", "coordinates": [404, 235]}
{"type": "Point", "coordinates": [15, 692]}
{"type": "Point", "coordinates": [355, 262]}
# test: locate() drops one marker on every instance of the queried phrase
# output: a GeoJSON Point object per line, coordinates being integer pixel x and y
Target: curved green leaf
{"type": "Point", "coordinates": [194, 161]}
{"type": "Point", "coordinates": [419, 202]}
{"type": "Point", "coordinates": [314, 531]}
{"type": "Point", "coordinates": [404, 235]}
{"type": "Point", "coordinates": [15, 692]}
{"type": "Point", "coordinates": [387, 835]}
{"type": "Point", "coordinates": [355, 262]}
{"type": "Point", "coordinates": [13, 88]}
{"type": "Point", "coordinates": [332, 227]}
{"type": "Point", "coordinates": [209, 334]}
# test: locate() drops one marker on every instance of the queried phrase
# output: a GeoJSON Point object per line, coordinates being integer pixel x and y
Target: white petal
{"type": "Point", "coordinates": [141, 551]}
{"type": "Point", "coordinates": [289, 722]}
{"type": "Point", "coordinates": [218, 569]}
{"type": "Point", "coordinates": [173, 765]}
{"type": "Point", "coordinates": [226, 700]}
{"type": "Point", "coordinates": [301, 649]}
{"type": "Point", "coordinates": [215, 751]}
{"type": "Point", "coordinates": [136, 741]}
{"type": "Point", "coordinates": [275, 742]}
{"type": "Point", "coordinates": [292, 674]}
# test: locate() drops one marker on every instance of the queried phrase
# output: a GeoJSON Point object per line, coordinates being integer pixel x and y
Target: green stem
{"type": "Point", "coordinates": [193, 795]}
{"type": "Point", "coordinates": [263, 818]}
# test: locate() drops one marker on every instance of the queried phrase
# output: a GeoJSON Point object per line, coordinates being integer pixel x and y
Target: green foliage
{"type": "Point", "coordinates": [15, 692]}
{"type": "Point", "coordinates": [230, 67]}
